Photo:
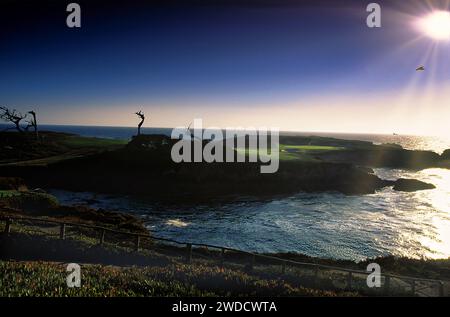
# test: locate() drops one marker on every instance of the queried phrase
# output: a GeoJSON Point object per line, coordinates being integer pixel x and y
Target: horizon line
{"type": "Point", "coordinates": [281, 131]}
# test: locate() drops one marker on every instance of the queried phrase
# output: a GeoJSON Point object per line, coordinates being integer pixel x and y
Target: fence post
{"type": "Point", "coordinates": [102, 236]}
{"type": "Point", "coordinates": [222, 256]}
{"type": "Point", "coordinates": [413, 287]}
{"type": "Point", "coordinates": [137, 243]}
{"type": "Point", "coordinates": [316, 275]}
{"type": "Point", "coordinates": [188, 252]}
{"type": "Point", "coordinates": [349, 280]}
{"type": "Point", "coordinates": [387, 282]}
{"type": "Point", "coordinates": [62, 231]}
{"type": "Point", "coordinates": [252, 262]}
{"type": "Point", "coordinates": [8, 226]}
{"type": "Point", "coordinates": [441, 289]}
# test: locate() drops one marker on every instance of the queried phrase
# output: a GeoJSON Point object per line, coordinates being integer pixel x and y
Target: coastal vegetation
{"type": "Point", "coordinates": [48, 279]}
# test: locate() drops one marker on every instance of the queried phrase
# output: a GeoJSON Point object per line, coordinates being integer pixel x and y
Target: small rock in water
{"type": "Point", "coordinates": [446, 155]}
{"type": "Point", "coordinates": [411, 185]}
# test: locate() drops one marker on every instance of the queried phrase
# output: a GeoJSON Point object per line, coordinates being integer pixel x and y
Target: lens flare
{"type": "Point", "coordinates": [436, 25]}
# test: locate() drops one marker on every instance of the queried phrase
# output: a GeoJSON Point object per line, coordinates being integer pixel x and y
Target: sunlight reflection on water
{"type": "Point", "coordinates": [318, 224]}
{"type": "Point", "coordinates": [427, 213]}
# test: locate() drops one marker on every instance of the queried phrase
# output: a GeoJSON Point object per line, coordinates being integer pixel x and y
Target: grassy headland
{"type": "Point", "coordinates": [144, 167]}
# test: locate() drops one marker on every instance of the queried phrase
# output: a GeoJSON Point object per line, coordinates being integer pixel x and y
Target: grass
{"type": "Point", "coordinates": [27, 200]}
{"type": "Point", "coordinates": [44, 161]}
{"type": "Point", "coordinates": [9, 193]}
{"type": "Point", "coordinates": [49, 279]}
{"type": "Point", "coordinates": [52, 147]}
{"type": "Point", "coordinates": [311, 147]}
{"type": "Point", "coordinates": [304, 152]}
{"type": "Point", "coordinates": [293, 152]}
{"type": "Point", "coordinates": [76, 142]}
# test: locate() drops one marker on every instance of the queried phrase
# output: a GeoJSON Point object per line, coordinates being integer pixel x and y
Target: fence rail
{"type": "Point", "coordinates": [412, 281]}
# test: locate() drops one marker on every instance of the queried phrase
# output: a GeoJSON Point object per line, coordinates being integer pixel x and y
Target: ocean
{"type": "Point", "coordinates": [329, 224]}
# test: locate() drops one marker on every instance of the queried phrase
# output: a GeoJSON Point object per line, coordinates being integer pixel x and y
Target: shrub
{"type": "Point", "coordinates": [30, 201]}
{"type": "Point", "coordinates": [11, 183]}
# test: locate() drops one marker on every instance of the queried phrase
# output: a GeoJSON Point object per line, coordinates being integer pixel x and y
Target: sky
{"type": "Point", "coordinates": [295, 65]}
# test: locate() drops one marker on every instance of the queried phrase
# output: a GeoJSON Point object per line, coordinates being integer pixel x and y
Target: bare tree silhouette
{"type": "Point", "coordinates": [141, 115]}
{"type": "Point", "coordinates": [191, 132]}
{"type": "Point", "coordinates": [33, 123]}
{"type": "Point", "coordinates": [13, 116]}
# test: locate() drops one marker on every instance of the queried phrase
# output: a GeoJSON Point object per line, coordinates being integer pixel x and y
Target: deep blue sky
{"type": "Point", "coordinates": [191, 58]}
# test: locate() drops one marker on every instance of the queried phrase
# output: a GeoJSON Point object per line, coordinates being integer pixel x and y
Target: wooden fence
{"type": "Point", "coordinates": [417, 285]}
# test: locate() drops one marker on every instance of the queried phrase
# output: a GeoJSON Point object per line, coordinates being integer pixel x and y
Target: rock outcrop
{"type": "Point", "coordinates": [446, 155]}
{"type": "Point", "coordinates": [411, 185]}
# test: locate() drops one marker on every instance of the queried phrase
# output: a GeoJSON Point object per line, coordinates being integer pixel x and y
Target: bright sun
{"type": "Point", "coordinates": [436, 25]}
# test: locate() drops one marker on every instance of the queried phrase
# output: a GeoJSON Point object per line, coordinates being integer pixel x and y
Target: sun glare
{"type": "Point", "coordinates": [436, 25]}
